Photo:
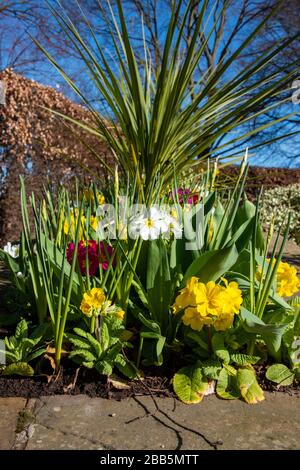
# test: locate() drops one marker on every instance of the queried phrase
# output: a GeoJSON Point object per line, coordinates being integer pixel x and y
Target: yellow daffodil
{"type": "Point", "coordinates": [94, 222]}
{"type": "Point", "coordinates": [90, 196]}
{"type": "Point", "coordinates": [71, 221]}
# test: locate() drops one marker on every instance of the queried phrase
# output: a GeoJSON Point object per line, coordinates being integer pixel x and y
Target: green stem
{"type": "Point", "coordinates": [92, 325]}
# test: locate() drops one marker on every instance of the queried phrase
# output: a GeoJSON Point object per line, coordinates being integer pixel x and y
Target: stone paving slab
{"type": "Point", "coordinates": [79, 422]}
{"type": "Point", "coordinates": [9, 413]}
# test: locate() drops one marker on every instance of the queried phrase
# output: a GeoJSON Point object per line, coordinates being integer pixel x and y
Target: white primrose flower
{"type": "Point", "coordinates": [12, 250]}
{"type": "Point", "coordinates": [174, 226]}
{"type": "Point", "coordinates": [149, 225]}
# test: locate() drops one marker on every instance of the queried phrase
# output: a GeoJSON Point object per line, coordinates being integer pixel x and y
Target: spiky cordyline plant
{"type": "Point", "coordinates": [155, 127]}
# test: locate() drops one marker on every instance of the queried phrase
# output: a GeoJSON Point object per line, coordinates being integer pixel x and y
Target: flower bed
{"type": "Point", "coordinates": [184, 286]}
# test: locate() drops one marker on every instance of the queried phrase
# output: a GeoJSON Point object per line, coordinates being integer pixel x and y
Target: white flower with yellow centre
{"type": "Point", "coordinates": [149, 225]}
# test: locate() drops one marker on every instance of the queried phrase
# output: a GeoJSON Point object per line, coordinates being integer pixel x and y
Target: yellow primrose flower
{"type": "Point", "coordinates": [232, 297]}
{"type": "Point", "coordinates": [187, 296]}
{"type": "Point", "coordinates": [195, 320]}
{"type": "Point", "coordinates": [92, 302]}
{"type": "Point", "coordinates": [224, 321]}
{"type": "Point", "coordinates": [288, 283]}
{"type": "Point", "coordinates": [208, 304]}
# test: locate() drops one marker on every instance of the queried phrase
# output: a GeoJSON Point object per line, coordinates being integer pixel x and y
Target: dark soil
{"type": "Point", "coordinates": [88, 383]}
{"type": "Point", "coordinates": [94, 385]}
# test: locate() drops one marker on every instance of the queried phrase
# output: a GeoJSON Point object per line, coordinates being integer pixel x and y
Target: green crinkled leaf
{"type": "Point", "coordinates": [211, 368]}
{"type": "Point", "coordinates": [78, 342]}
{"type": "Point", "coordinates": [36, 353]}
{"type": "Point", "coordinates": [280, 374]}
{"type": "Point", "coordinates": [248, 385]}
{"type": "Point", "coordinates": [94, 343]}
{"type": "Point", "coordinates": [104, 367]}
{"type": "Point", "coordinates": [88, 365]}
{"type": "Point", "coordinates": [85, 354]}
{"type": "Point", "coordinates": [104, 336]}
{"type": "Point", "coordinates": [126, 367]}
{"type": "Point", "coordinates": [244, 359]}
{"type": "Point", "coordinates": [226, 385]}
{"type": "Point", "coordinates": [21, 330]}
{"type": "Point", "coordinates": [80, 332]}
{"type": "Point", "coordinates": [189, 384]}
{"type": "Point", "coordinates": [19, 368]}
{"type": "Point", "coordinates": [219, 348]}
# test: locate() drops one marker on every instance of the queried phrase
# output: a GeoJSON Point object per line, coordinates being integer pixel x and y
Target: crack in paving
{"type": "Point", "coordinates": [212, 444]}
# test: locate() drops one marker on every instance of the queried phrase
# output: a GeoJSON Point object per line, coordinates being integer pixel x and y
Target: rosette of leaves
{"type": "Point", "coordinates": [231, 373]}
{"type": "Point", "coordinates": [22, 348]}
{"type": "Point", "coordinates": [104, 352]}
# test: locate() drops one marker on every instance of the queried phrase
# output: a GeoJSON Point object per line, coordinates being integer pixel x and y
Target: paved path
{"type": "Point", "coordinates": [79, 422]}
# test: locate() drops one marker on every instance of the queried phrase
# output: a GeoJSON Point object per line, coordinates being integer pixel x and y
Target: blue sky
{"type": "Point", "coordinates": [44, 73]}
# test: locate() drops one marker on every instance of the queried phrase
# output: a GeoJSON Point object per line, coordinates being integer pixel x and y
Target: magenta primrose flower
{"type": "Point", "coordinates": [96, 253]}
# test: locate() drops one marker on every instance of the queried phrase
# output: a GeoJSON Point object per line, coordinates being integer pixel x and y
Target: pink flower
{"type": "Point", "coordinates": [95, 253]}
{"type": "Point", "coordinates": [105, 253]}
{"type": "Point", "coordinates": [182, 193]}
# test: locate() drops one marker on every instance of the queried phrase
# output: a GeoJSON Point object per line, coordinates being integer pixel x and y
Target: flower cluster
{"type": "Point", "coordinates": [94, 303]}
{"type": "Point", "coordinates": [151, 224]}
{"type": "Point", "coordinates": [287, 281]}
{"type": "Point", "coordinates": [95, 253]}
{"type": "Point", "coordinates": [208, 304]}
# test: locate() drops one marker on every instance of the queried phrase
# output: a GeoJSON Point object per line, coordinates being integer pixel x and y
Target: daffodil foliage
{"type": "Point", "coordinates": [189, 284]}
